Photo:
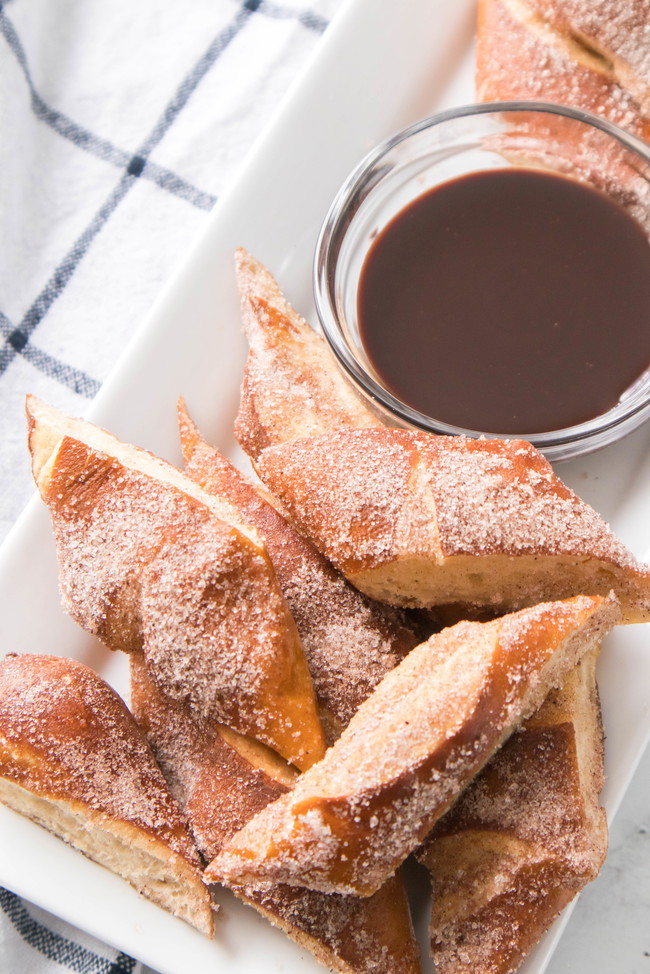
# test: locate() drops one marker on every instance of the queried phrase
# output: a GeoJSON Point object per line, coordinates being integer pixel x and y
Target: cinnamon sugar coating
{"type": "Point", "coordinates": [291, 386]}
{"type": "Point", "coordinates": [617, 35]}
{"type": "Point", "coordinates": [146, 564]}
{"type": "Point", "coordinates": [412, 747]}
{"type": "Point", "coordinates": [592, 56]}
{"type": "Point", "coordinates": [350, 934]}
{"type": "Point", "coordinates": [70, 752]}
{"type": "Point", "coordinates": [422, 520]}
{"type": "Point", "coordinates": [66, 733]}
{"type": "Point", "coordinates": [350, 641]}
{"type": "Point", "coordinates": [412, 519]}
{"type": "Point", "coordinates": [216, 786]}
{"type": "Point", "coordinates": [523, 839]}
{"type": "Point", "coordinates": [220, 790]}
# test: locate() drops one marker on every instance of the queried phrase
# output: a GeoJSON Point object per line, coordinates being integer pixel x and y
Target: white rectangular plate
{"type": "Point", "coordinates": [380, 66]}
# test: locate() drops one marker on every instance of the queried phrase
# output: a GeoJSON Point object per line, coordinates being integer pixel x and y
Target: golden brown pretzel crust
{"type": "Point", "coordinates": [424, 520]}
{"type": "Point", "coordinates": [146, 563]}
{"type": "Point", "coordinates": [221, 786]}
{"type": "Point", "coordinates": [592, 56]}
{"type": "Point", "coordinates": [73, 759]}
{"type": "Point", "coordinates": [523, 839]}
{"type": "Point", "coordinates": [409, 518]}
{"type": "Point", "coordinates": [291, 386]}
{"type": "Point", "coordinates": [412, 747]}
{"type": "Point", "coordinates": [350, 641]}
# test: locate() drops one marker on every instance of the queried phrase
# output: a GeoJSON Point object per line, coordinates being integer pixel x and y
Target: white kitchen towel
{"type": "Point", "coordinates": [121, 123]}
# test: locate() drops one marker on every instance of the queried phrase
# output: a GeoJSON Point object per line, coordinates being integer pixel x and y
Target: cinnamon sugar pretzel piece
{"type": "Point", "coordinates": [74, 761]}
{"type": "Point", "coordinates": [420, 520]}
{"type": "Point", "coordinates": [410, 518]}
{"type": "Point", "coordinates": [412, 748]}
{"type": "Point", "coordinates": [291, 387]}
{"type": "Point", "coordinates": [148, 561]}
{"type": "Point", "coordinates": [524, 838]}
{"type": "Point", "coordinates": [221, 780]}
{"type": "Point", "coordinates": [350, 641]}
{"type": "Point", "coordinates": [588, 54]}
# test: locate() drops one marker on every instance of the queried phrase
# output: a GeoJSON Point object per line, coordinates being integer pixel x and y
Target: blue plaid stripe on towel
{"type": "Point", "coordinates": [34, 942]}
{"type": "Point", "coordinates": [120, 125]}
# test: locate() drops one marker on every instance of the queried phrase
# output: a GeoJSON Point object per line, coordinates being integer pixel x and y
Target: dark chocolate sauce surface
{"type": "Point", "coordinates": [508, 301]}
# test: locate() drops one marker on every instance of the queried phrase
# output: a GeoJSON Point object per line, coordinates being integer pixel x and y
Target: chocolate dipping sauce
{"type": "Point", "coordinates": [508, 301]}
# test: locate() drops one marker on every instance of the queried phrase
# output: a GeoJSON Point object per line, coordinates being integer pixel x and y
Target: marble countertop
{"type": "Point", "coordinates": [609, 931]}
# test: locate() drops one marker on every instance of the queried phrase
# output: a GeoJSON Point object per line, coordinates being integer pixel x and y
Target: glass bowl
{"type": "Point", "coordinates": [472, 139]}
